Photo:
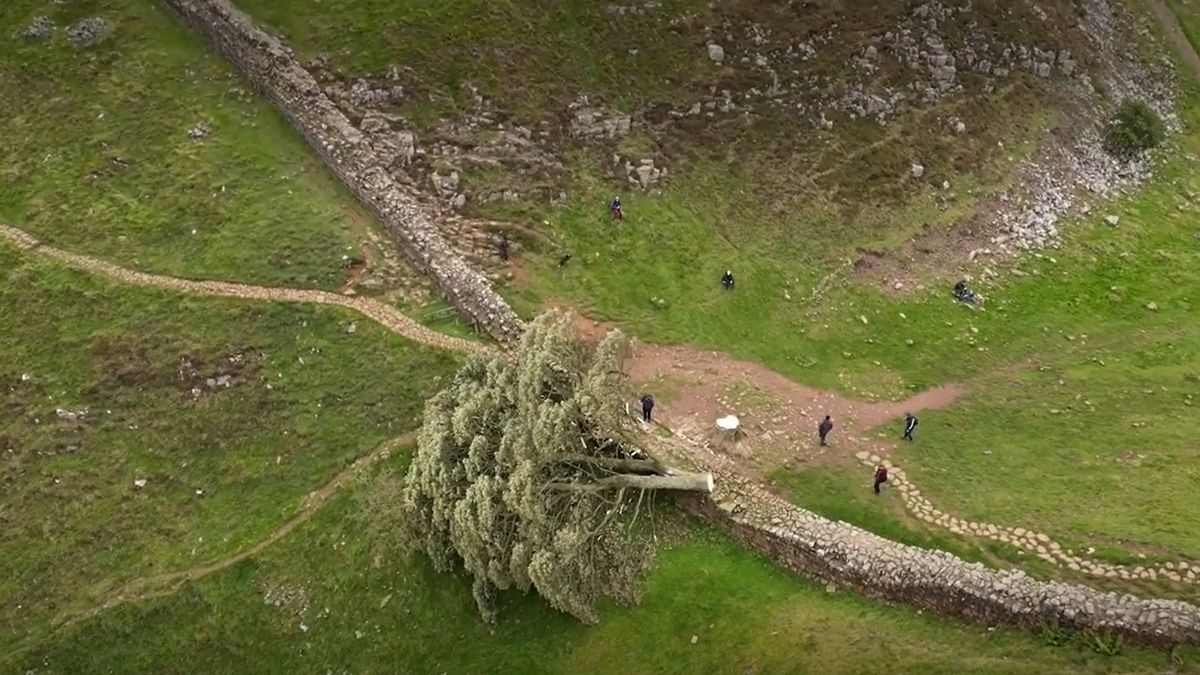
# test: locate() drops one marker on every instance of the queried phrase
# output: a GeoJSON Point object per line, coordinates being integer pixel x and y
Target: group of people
{"type": "Point", "coordinates": [881, 472]}
{"type": "Point", "coordinates": [961, 293]}
{"type": "Point", "coordinates": [614, 208]}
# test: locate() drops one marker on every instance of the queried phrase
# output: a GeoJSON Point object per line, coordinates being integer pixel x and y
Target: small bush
{"type": "Point", "coordinates": [1135, 128]}
{"type": "Point", "coordinates": [1055, 634]}
{"type": "Point", "coordinates": [1105, 644]}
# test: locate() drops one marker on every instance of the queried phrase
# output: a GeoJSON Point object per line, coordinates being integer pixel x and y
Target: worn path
{"type": "Point", "coordinates": [384, 314]}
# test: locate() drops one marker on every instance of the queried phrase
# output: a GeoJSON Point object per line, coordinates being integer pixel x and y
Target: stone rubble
{"type": "Point", "coordinates": [89, 31]}
{"type": "Point", "coordinates": [39, 29]}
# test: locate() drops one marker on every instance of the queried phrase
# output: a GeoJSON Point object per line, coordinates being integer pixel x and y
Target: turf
{"type": "Point", "coordinates": [97, 157]}
{"type": "Point", "coordinates": [331, 599]}
{"type": "Point", "coordinates": [224, 460]}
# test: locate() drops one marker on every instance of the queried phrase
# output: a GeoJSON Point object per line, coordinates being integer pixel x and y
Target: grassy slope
{"type": "Point", "coordinates": [764, 193]}
{"type": "Point", "coordinates": [247, 203]}
{"type": "Point", "coordinates": [363, 611]}
{"type": "Point", "coordinates": [1078, 306]}
{"type": "Point", "coordinates": [306, 399]}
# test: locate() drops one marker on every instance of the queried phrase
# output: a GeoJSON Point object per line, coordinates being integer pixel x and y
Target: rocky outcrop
{"type": "Point", "coordinates": [273, 69]}
{"type": "Point", "coordinates": [845, 555]}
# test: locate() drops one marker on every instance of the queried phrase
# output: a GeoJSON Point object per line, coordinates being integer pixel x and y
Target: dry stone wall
{"type": "Point", "coordinates": [273, 69]}
{"type": "Point", "coordinates": [848, 556]}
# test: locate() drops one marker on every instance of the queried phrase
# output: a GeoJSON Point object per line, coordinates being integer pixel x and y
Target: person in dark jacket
{"type": "Point", "coordinates": [880, 477]}
{"type": "Point", "coordinates": [727, 280]}
{"type": "Point", "coordinates": [647, 407]}
{"type": "Point", "coordinates": [614, 207]}
{"type": "Point", "coordinates": [502, 246]}
{"type": "Point", "coordinates": [910, 425]}
{"type": "Point", "coordinates": [824, 428]}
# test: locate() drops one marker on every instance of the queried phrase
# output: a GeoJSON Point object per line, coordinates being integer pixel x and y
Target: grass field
{"type": "Point", "coordinates": [97, 157]}
{"type": "Point", "coordinates": [331, 599]}
{"type": "Point", "coordinates": [224, 460]}
{"type": "Point", "coordinates": [1091, 442]}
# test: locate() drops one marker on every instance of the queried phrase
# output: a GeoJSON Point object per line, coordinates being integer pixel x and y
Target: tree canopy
{"type": "Point", "coordinates": [524, 477]}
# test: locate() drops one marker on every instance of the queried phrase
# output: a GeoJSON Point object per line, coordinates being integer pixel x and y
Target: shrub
{"type": "Point", "coordinates": [1135, 128]}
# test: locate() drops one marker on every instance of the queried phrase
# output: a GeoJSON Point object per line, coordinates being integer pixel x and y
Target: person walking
{"type": "Point", "coordinates": [727, 280]}
{"type": "Point", "coordinates": [614, 207]}
{"type": "Point", "coordinates": [647, 407]}
{"type": "Point", "coordinates": [824, 428]}
{"type": "Point", "coordinates": [910, 425]}
{"type": "Point", "coordinates": [880, 477]}
{"type": "Point", "coordinates": [502, 246]}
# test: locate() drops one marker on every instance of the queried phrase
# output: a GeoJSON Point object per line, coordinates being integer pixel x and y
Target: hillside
{"type": "Point", "coordinates": [216, 355]}
{"type": "Point", "coordinates": [888, 118]}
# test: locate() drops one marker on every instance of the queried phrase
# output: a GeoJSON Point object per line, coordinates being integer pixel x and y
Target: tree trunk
{"type": "Point", "coordinates": [688, 482]}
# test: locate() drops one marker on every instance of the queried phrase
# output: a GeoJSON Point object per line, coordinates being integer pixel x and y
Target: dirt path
{"type": "Point", "coordinates": [778, 417]}
{"type": "Point", "coordinates": [159, 585]}
{"type": "Point", "coordinates": [386, 315]}
{"type": "Point", "coordinates": [1173, 31]}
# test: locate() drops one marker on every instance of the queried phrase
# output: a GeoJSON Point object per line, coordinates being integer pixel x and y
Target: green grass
{"type": "Point", "coordinates": [97, 158]}
{"type": "Point", "coordinates": [1082, 414]}
{"type": "Point", "coordinates": [306, 398]}
{"type": "Point", "coordinates": [530, 55]}
{"type": "Point", "coordinates": [846, 496]}
{"type": "Point", "coordinates": [531, 59]}
{"type": "Point", "coordinates": [358, 608]}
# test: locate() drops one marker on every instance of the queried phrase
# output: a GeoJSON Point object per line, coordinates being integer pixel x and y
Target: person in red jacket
{"type": "Point", "coordinates": [880, 477]}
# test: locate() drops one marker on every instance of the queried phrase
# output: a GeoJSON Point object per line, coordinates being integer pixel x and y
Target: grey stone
{"type": "Point", "coordinates": [89, 31]}
{"type": "Point", "coordinates": [39, 29]}
{"type": "Point", "coordinates": [198, 132]}
{"type": "Point", "coordinates": [716, 53]}
{"type": "Point", "coordinates": [917, 170]}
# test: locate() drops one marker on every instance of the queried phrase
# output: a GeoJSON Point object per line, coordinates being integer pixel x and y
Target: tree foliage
{"type": "Point", "coordinates": [1135, 128]}
{"type": "Point", "coordinates": [521, 477]}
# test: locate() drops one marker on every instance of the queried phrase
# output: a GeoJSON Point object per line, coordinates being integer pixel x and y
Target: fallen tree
{"type": "Point", "coordinates": [525, 476]}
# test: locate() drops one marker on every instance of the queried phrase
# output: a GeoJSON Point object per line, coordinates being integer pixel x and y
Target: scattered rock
{"type": "Point", "coordinates": [352, 328]}
{"type": "Point", "coordinates": [139, 483]}
{"type": "Point", "coordinates": [199, 131]}
{"type": "Point", "coordinates": [70, 415]}
{"type": "Point", "coordinates": [39, 29]}
{"type": "Point", "coordinates": [1152, 306]}
{"type": "Point", "coordinates": [716, 53]}
{"type": "Point", "coordinates": [590, 122]}
{"type": "Point", "coordinates": [695, 639]}
{"type": "Point", "coordinates": [364, 94]}
{"type": "Point", "coordinates": [89, 31]}
{"type": "Point", "coordinates": [917, 170]}
{"type": "Point", "coordinates": [1113, 220]}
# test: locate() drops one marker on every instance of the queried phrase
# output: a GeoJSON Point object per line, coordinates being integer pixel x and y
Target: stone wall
{"type": "Point", "coordinates": [274, 71]}
{"type": "Point", "coordinates": [851, 557]}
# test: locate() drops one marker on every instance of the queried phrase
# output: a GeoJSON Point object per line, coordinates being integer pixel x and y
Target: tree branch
{"type": "Point", "coordinates": [645, 467]}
